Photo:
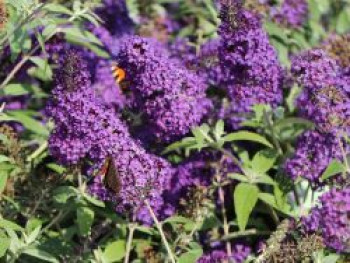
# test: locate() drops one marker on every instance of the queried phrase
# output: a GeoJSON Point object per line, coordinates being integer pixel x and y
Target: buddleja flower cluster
{"type": "Point", "coordinates": [240, 253]}
{"type": "Point", "coordinates": [324, 101]}
{"type": "Point", "coordinates": [331, 218]}
{"type": "Point", "coordinates": [291, 13]}
{"type": "Point", "coordinates": [287, 13]}
{"type": "Point", "coordinates": [172, 99]}
{"type": "Point", "coordinates": [86, 129]}
{"type": "Point", "coordinates": [166, 85]}
{"type": "Point", "coordinates": [249, 64]}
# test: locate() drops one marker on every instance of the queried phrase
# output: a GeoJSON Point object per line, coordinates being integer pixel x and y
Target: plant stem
{"type": "Point", "coordinates": [296, 197]}
{"type": "Point", "coordinates": [345, 159]}
{"type": "Point", "coordinates": [13, 256]}
{"type": "Point", "coordinates": [55, 220]}
{"type": "Point", "coordinates": [128, 246]}
{"type": "Point", "coordinates": [231, 156]}
{"type": "Point", "coordinates": [273, 214]}
{"type": "Point", "coordinates": [37, 203]}
{"type": "Point", "coordinates": [307, 191]}
{"type": "Point", "coordinates": [223, 212]}
{"type": "Point", "coordinates": [273, 134]}
{"type": "Point", "coordinates": [38, 151]}
{"type": "Point", "coordinates": [249, 232]}
{"type": "Point", "coordinates": [159, 227]}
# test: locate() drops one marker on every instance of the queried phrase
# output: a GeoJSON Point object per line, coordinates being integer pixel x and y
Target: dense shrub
{"type": "Point", "coordinates": [175, 131]}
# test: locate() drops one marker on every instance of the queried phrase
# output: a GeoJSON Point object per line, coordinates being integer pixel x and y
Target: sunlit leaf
{"type": "Point", "coordinates": [190, 256]}
{"type": "Point", "coordinates": [245, 198]}
{"type": "Point", "coordinates": [247, 136]}
{"type": "Point", "coordinates": [334, 168]}
{"type": "Point", "coordinates": [85, 218]}
{"type": "Point", "coordinates": [40, 254]}
{"type": "Point", "coordinates": [114, 251]}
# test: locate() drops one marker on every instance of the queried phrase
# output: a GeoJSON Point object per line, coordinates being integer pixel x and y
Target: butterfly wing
{"type": "Point", "coordinates": [111, 179]}
{"type": "Point", "coordinates": [102, 172]}
{"type": "Point", "coordinates": [118, 73]}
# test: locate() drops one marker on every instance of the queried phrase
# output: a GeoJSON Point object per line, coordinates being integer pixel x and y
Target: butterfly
{"type": "Point", "coordinates": [110, 175]}
{"type": "Point", "coordinates": [119, 74]}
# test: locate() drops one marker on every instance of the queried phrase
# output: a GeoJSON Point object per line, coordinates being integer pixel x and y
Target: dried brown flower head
{"type": "Point", "coordinates": [10, 147]}
{"type": "Point", "coordinates": [151, 256]}
{"type": "Point", "coordinates": [273, 244]}
{"type": "Point", "coordinates": [3, 14]}
{"type": "Point", "coordinates": [338, 47]}
{"type": "Point", "coordinates": [230, 12]}
{"type": "Point", "coordinates": [156, 28]}
{"type": "Point", "coordinates": [195, 203]}
{"type": "Point", "coordinates": [257, 7]}
{"type": "Point", "coordinates": [308, 245]}
{"type": "Point", "coordinates": [9, 144]}
{"type": "Point", "coordinates": [287, 253]}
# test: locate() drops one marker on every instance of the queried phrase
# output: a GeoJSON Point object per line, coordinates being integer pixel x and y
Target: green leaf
{"type": "Point", "coordinates": [334, 168]}
{"type": "Point", "coordinates": [97, 50]}
{"type": "Point", "coordinates": [279, 196]}
{"type": "Point", "coordinates": [210, 221]}
{"type": "Point", "coordinates": [41, 41]}
{"type": "Point", "coordinates": [29, 122]}
{"type": "Point", "coordinates": [178, 220]}
{"type": "Point", "coordinates": [343, 21]}
{"type": "Point", "coordinates": [245, 198]}
{"type": "Point", "coordinates": [43, 255]}
{"type": "Point", "coordinates": [80, 35]}
{"type": "Point", "coordinates": [184, 143]}
{"type": "Point", "coordinates": [190, 256]}
{"type": "Point", "coordinates": [238, 177]}
{"type": "Point", "coordinates": [333, 258]}
{"type": "Point", "coordinates": [283, 52]}
{"type": "Point", "coordinates": [32, 224]}
{"type": "Point", "coordinates": [115, 251]}
{"type": "Point", "coordinates": [293, 121]}
{"type": "Point", "coordinates": [247, 136]}
{"type": "Point", "coordinates": [3, 181]}
{"type": "Point", "coordinates": [94, 201]}
{"type": "Point", "coordinates": [56, 8]}
{"type": "Point", "coordinates": [5, 224]}
{"type": "Point", "coordinates": [42, 71]}
{"type": "Point", "coordinates": [94, 19]}
{"type": "Point", "coordinates": [264, 179]}
{"type": "Point", "coordinates": [219, 129]}
{"type": "Point", "coordinates": [263, 161]}
{"type": "Point", "coordinates": [85, 218]}
{"type": "Point", "coordinates": [63, 193]}
{"type": "Point", "coordinates": [270, 199]}
{"type": "Point", "coordinates": [4, 245]}
{"type": "Point", "coordinates": [16, 89]}
{"type": "Point", "coordinates": [49, 30]}
{"type": "Point", "coordinates": [56, 168]}
{"type": "Point", "coordinates": [33, 235]}
{"type": "Point", "coordinates": [275, 30]}
{"type": "Point", "coordinates": [201, 134]}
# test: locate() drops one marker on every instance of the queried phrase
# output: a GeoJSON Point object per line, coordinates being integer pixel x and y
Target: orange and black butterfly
{"type": "Point", "coordinates": [119, 74]}
{"type": "Point", "coordinates": [110, 175]}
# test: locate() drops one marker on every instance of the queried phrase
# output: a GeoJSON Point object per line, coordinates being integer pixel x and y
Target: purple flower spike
{"type": "Point", "coordinates": [171, 98]}
{"type": "Point", "coordinates": [314, 152]}
{"type": "Point", "coordinates": [292, 13]}
{"type": "Point", "coordinates": [88, 131]}
{"type": "Point", "coordinates": [251, 71]}
{"type": "Point", "coordinates": [332, 219]}
{"type": "Point", "coordinates": [240, 252]}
